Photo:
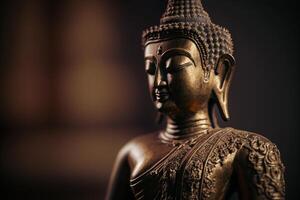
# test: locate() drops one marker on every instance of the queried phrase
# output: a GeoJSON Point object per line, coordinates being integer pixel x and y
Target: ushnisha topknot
{"type": "Point", "coordinates": [188, 19]}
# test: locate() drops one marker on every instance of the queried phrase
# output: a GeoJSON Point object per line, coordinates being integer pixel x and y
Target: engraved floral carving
{"type": "Point", "coordinates": [269, 170]}
{"type": "Point", "coordinates": [193, 171]}
{"type": "Point", "coordinates": [167, 171]}
{"type": "Point", "coordinates": [228, 143]}
{"type": "Point", "coordinates": [189, 172]}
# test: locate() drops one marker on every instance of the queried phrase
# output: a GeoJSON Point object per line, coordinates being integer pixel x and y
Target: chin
{"type": "Point", "coordinates": [167, 107]}
{"type": "Point", "coordinates": [161, 106]}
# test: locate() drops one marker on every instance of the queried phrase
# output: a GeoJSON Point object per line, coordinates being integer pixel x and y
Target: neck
{"type": "Point", "coordinates": [189, 125]}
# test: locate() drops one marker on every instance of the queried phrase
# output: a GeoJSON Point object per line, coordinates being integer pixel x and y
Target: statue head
{"type": "Point", "coordinates": [188, 60]}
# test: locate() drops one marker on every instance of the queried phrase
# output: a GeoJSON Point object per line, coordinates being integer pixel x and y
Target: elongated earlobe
{"type": "Point", "coordinates": [223, 76]}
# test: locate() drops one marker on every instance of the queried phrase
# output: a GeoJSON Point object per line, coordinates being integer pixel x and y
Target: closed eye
{"type": "Point", "coordinates": [186, 64]}
{"type": "Point", "coordinates": [150, 66]}
{"type": "Point", "coordinates": [176, 68]}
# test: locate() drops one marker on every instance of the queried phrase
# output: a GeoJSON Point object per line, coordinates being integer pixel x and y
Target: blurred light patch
{"type": "Point", "coordinates": [71, 154]}
{"type": "Point", "coordinates": [96, 87]}
{"type": "Point", "coordinates": [94, 93]}
{"type": "Point", "coordinates": [70, 100]}
{"type": "Point", "coordinates": [25, 81]}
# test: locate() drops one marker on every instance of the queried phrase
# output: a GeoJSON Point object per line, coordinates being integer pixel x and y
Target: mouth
{"type": "Point", "coordinates": [161, 94]}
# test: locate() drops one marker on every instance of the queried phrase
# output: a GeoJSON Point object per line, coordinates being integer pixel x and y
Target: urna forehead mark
{"type": "Point", "coordinates": [159, 50]}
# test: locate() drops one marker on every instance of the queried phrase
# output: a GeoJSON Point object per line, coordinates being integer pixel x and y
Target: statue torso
{"type": "Point", "coordinates": [197, 168]}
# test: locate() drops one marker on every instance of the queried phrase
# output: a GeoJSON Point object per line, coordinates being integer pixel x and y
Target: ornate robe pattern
{"type": "Point", "coordinates": [201, 167]}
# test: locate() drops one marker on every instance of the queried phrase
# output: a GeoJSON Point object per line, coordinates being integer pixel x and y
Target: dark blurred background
{"type": "Point", "coordinates": [74, 90]}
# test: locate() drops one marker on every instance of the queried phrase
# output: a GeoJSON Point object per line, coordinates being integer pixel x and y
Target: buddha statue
{"type": "Point", "coordinates": [189, 64]}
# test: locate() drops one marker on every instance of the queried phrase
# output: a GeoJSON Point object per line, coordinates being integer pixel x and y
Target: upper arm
{"type": "Point", "coordinates": [119, 185]}
{"type": "Point", "coordinates": [260, 172]}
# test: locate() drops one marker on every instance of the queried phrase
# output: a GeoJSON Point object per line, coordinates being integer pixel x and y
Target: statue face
{"type": "Point", "coordinates": [176, 77]}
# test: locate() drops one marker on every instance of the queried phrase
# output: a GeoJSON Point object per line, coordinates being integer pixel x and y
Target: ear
{"type": "Point", "coordinates": [223, 75]}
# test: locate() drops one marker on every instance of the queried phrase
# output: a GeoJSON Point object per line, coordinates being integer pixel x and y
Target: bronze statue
{"type": "Point", "coordinates": [189, 65]}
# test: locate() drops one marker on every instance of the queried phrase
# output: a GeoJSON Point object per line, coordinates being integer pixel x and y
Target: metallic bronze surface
{"type": "Point", "coordinates": [189, 64]}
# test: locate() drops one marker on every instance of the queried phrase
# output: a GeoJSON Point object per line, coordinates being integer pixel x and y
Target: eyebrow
{"type": "Point", "coordinates": [177, 51]}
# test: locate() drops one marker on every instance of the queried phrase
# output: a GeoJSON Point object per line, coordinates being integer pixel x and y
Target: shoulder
{"type": "Point", "coordinates": [252, 141]}
{"type": "Point", "coordinates": [258, 150]}
{"type": "Point", "coordinates": [260, 161]}
{"type": "Point", "coordinates": [134, 144]}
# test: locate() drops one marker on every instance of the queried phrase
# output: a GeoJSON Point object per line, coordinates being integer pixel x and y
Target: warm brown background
{"type": "Point", "coordinates": [73, 87]}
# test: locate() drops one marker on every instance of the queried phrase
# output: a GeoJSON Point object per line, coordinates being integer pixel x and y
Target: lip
{"type": "Point", "coordinates": [161, 94]}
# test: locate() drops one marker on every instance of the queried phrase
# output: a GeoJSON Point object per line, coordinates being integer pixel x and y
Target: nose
{"type": "Point", "coordinates": [160, 79]}
{"type": "Point", "coordinates": [162, 84]}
